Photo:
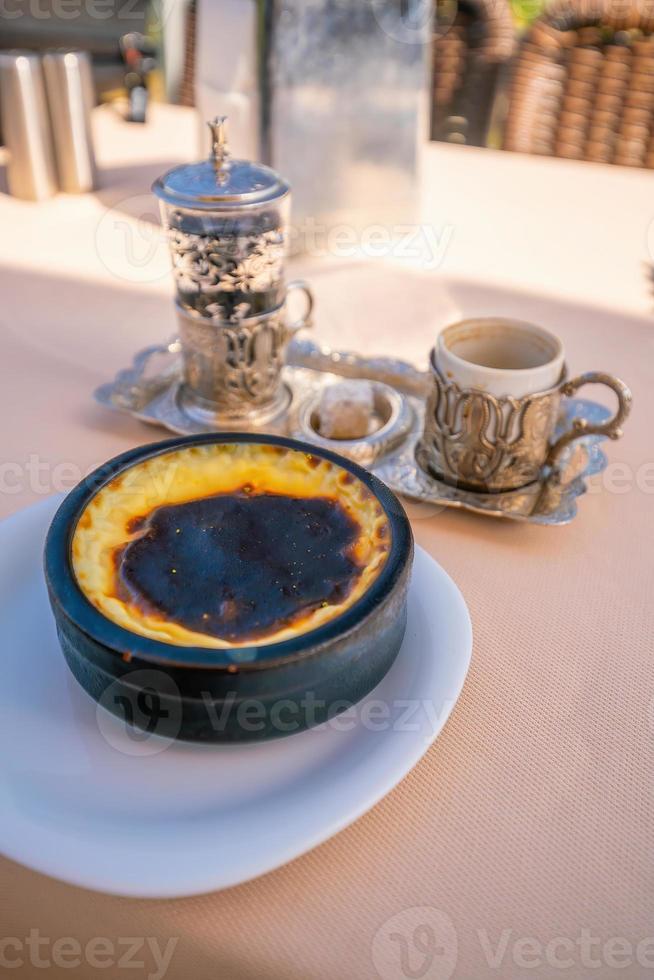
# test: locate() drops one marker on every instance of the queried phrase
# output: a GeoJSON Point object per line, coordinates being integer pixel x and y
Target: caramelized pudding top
{"type": "Point", "coordinates": [229, 545]}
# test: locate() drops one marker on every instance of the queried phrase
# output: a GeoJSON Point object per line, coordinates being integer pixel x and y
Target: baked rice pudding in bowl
{"type": "Point", "coordinates": [191, 577]}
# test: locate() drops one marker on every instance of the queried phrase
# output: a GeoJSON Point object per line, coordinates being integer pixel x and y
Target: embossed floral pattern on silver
{"type": "Point", "coordinates": [227, 224]}
{"type": "Point", "coordinates": [237, 364]}
{"type": "Point", "coordinates": [472, 438]}
{"type": "Point", "coordinates": [214, 273]}
{"type": "Point", "coordinates": [544, 501]}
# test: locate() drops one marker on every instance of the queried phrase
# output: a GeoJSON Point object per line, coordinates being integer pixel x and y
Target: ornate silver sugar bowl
{"type": "Point", "coordinates": [227, 224]}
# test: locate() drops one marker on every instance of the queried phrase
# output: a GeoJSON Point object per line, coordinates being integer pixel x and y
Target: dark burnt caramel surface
{"type": "Point", "coordinates": [242, 565]}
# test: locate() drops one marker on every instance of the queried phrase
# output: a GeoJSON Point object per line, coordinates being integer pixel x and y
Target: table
{"type": "Point", "coordinates": [523, 838]}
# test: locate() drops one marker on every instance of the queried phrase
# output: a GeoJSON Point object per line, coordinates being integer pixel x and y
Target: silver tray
{"type": "Point", "coordinates": [151, 391]}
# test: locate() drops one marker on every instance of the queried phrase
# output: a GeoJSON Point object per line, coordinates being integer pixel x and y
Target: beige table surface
{"type": "Point", "coordinates": [524, 837]}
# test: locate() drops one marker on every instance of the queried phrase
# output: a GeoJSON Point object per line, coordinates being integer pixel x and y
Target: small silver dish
{"type": "Point", "coordinates": [391, 422]}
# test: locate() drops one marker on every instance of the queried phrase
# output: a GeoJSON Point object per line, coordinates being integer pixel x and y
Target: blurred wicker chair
{"type": "Point", "coordinates": [583, 85]}
{"type": "Point", "coordinates": [187, 90]}
{"type": "Point", "coordinates": [473, 39]}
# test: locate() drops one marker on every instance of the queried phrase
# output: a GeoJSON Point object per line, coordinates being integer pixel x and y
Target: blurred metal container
{"type": "Point", "coordinates": [69, 86]}
{"type": "Point", "coordinates": [31, 173]}
{"type": "Point", "coordinates": [345, 108]}
{"type": "Point", "coordinates": [342, 102]}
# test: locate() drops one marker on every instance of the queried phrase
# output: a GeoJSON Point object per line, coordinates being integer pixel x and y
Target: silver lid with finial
{"type": "Point", "coordinates": [220, 182]}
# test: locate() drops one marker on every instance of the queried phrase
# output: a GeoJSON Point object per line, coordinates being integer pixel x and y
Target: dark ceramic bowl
{"type": "Point", "coordinates": [198, 693]}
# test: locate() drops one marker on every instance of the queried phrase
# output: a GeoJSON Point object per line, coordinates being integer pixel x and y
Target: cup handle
{"type": "Point", "coordinates": [612, 428]}
{"type": "Point", "coordinates": [305, 319]}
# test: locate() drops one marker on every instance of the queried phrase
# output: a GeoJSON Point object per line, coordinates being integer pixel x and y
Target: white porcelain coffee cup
{"type": "Point", "coordinates": [500, 356]}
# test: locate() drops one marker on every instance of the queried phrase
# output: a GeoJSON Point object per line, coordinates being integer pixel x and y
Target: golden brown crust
{"type": "Point", "coordinates": [111, 520]}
